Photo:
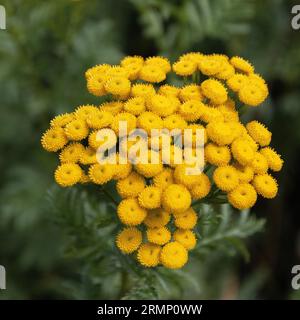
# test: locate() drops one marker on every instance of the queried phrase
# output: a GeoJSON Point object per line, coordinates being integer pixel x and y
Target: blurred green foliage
{"type": "Point", "coordinates": [55, 243]}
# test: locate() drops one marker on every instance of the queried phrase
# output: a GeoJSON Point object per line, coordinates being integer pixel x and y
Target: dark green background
{"type": "Point", "coordinates": [43, 55]}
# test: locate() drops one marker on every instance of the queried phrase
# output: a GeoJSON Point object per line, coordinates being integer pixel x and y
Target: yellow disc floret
{"type": "Point", "coordinates": [243, 196]}
{"type": "Point", "coordinates": [214, 90]}
{"type": "Point", "coordinates": [202, 188]}
{"type": "Point", "coordinates": [176, 198]}
{"type": "Point", "coordinates": [265, 185]}
{"type": "Point", "coordinates": [186, 219]}
{"type": "Point", "coordinates": [130, 212]}
{"type": "Point", "coordinates": [131, 186]}
{"type": "Point", "coordinates": [174, 255]}
{"type": "Point", "coordinates": [148, 255]}
{"type": "Point", "coordinates": [185, 237]}
{"type": "Point", "coordinates": [259, 133]}
{"type": "Point", "coordinates": [226, 178]}
{"type": "Point", "coordinates": [68, 174]}
{"type": "Point", "coordinates": [129, 240]}
{"type": "Point", "coordinates": [273, 158]}
{"type": "Point", "coordinates": [54, 139]}
{"type": "Point", "coordinates": [157, 218]}
{"type": "Point", "coordinates": [150, 197]}
{"type": "Point", "coordinates": [159, 235]}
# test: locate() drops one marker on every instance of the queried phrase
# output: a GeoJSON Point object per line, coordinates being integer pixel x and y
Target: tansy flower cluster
{"type": "Point", "coordinates": [158, 198]}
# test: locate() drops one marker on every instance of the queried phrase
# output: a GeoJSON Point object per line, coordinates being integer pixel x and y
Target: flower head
{"type": "Point", "coordinates": [129, 240]}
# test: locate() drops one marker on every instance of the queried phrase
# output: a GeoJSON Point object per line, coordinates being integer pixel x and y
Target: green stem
{"type": "Point", "coordinates": [109, 196]}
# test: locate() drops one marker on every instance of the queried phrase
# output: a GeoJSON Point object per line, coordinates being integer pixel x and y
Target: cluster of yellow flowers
{"type": "Point", "coordinates": [157, 198]}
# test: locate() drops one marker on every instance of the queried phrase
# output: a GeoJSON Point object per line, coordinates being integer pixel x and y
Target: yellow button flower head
{"type": "Point", "coordinates": [259, 164]}
{"type": "Point", "coordinates": [252, 144]}
{"type": "Point", "coordinates": [186, 219]}
{"type": "Point", "coordinates": [252, 95]}
{"type": "Point", "coordinates": [95, 85]}
{"type": "Point", "coordinates": [142, 90]}
{"type": "Point", "coordinates": [116, 71]}
{"type": "Point", "coordinates": [168, 90]}
{"type": "Point", "coordinates": [152, 73]}
{"type": "Point", "coordinates": [226, 178]}
{"type": "Point", "coordinates": [71, 153]}
{"type": "Point", "coordinates": [130, 212]}
{"type": "Point", "coordinates": [119, 86]}
{"type": "Point", "coordinates": [114, 107]}
{"type": "Point", "coordinates": [202, 188]}
{"type": "Point", "coordinates": [237, 130]}
{"type": "Point", "coordinates": [68, 174]}
{"type": "Point", "coordinates": [148, 121]}
{"type": "Point", "coordinates": [229, 113]}
{"type": "Point", "coordinates": [184, 177]}
{"type": "Point", "coordinates": [161, 105]}
{"type": "Point", "coordinates": [158, 235]}
{"type": "Point", "coordinates": [257, 80]}
{"type": "Point", "coordinates": [126, 61]}
{"type": "Point", "coordinates": [101, 173]}
{"type": "Point", "coordinates": [157, 218]}
{"type": "Point", "coordinates": [237, 82]}
{"type": "Point", "coordinates": [242, 151]}
{"type": "Point", "coordinates": [129, 240]}
{"type": "Point", "coordinates": [220, 133]}
{"type": "Point", "coordinates": [126, 117]}
{"type": "Point", "coordinates": [131, 186]}
{"type": "Point", "coordinates": [164, 178]}
{"type": "Point", "coordinates": [191, 110]}
{"type": "Point", "coordinates": [173, 255]}
{"type": "Point", "coordinates": [176, 198]}
{"type": "Point", "coordinates": [149, 197]}
{"type": "Point", "coordinates": [192, 56]}
{"type": "Point", "coordinates": [184, 68]}
{"type": "Point", "coordinates": [273, 158]}
{"type": "Point", "coordinates": [190, 92]}
{"type": "Point", "coordinates": [83, 112]}
{"type": "Point", "coordinates": [245, 173]}
{"type": "Point", "coordinates": [98, 69]}
{"type": "Point", "coordinates": [133, 70]}
{"type": "Point", "coordinates": [148, 255]}
{"type": "Point", "coordinates": [136, 105]}
{"type": "Point", "coordinates": [88, 156]}
{"type": "Point", "coordinates": [226, 71]}
{"type": "Point", "coordinates": [54, 139]}
{"type": "Point", "coordinates": [185, 237]}
{"type": "Point", "coordinates": [259, 133]}
{"type": "Point", "coordinates": [160, 62]}
{"type": "Point", "coordinates": [62, 120]}
{"type": "Point", "coordinates": [265, 185]}
{"type": "Point", "coordinates": [211, 115]}
{"type": "Point", "coordinates": [214, 90]}
{"type": "Point", "coordinates": [217, 155]}
{"type": "Point", "coordinates": [243, 196]}
{"type": "Point", "coordinates": [99, 119]}
{"type": "Point", "coordinates": [210, 65]}
{"type": "Point", "coordinates": [242, 64]}
{"type": "Point", "coordinates": [174, 121]}
{"type": "Point", "coordinates": [77, 130]}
